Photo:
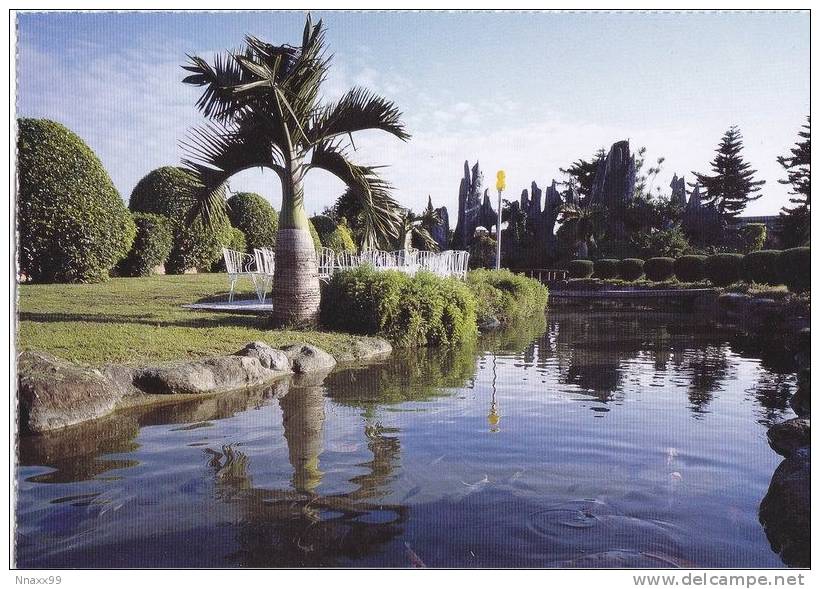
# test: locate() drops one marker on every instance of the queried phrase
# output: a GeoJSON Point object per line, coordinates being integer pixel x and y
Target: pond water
{"type": "Point", "coordinates": [585, 439]}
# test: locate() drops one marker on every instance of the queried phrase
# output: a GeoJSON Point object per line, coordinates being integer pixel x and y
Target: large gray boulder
{"type": "Point", "coordinates": [786, 437]}
{"type": "Point", "coordinates": [209, 375]}
{"type": "Point", "coordinates": [54, 394]}
{"type": "Point", "coordinates": [270, 358]}
{"type": "Point", "coordinates": [785, 511]}
{"type": "Point", "coordinates": [365, 349]}
{"type": "Point", "coordinates": [307, 358]}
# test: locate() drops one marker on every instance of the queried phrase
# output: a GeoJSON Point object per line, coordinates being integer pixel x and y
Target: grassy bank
{"type": "Point", "coordinates": [139, 319]}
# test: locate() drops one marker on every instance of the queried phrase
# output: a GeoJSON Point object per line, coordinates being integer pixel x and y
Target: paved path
{"type": "Point", "coordinates": [245, 306]}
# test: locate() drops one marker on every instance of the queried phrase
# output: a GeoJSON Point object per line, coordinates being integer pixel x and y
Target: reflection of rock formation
{"type": "Point", "coordinates": [303, 417]}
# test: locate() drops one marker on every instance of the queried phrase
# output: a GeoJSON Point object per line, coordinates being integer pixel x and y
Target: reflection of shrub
{"type": "Point", "coordinates": [606, 268]}
{"type": "Point", "coordinates": [690, 268]}
{"type": "Point", "coordinates": [762, 267]}
{"type": "Point", "coordinates": [167, 191]}
{"type": "Point", "coordinates": [151, 246]}
{"type": "Point", "coordinates": [409, 310]}
{"type": "Point", "coordinates": [72, 224]}
{"type": "Point", "coordinates": [580, 268]}
{"type": "Point", "coordinates": [505, 295]}
{"type": "Point", "coordinates": [630, 268]}
{"type": "Point", "coordinates": [724, 269]}
{"type": "Point", "coordinates": [659, 269]}
{"type": "Point", "coordinates": [255, 217]}
{"type": "Point", "coordinates": [795, 268]}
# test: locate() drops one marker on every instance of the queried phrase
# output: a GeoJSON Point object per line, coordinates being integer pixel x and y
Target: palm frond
{"type": "Point", "coordinates": [214, 153]}
{"type": "Point", "coordinates": [357, 110]}
{"type": "Point", "coordinates": [380, 212]}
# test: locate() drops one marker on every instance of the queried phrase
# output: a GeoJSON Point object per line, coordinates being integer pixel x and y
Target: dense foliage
{"type": "Point", "coordinates": [795, 221]}
{"type": "Point", "coordinates": [580, 268]}
{"type": "Point", "coordinates": [506, 296]}
{"type": "Point", "coordinates": [606, 268]}
{"type": "Point", "coordinates": [748, 238]}
{"type": "Point", "coordinates": [418, 310]}
{"type": "Point", "coordinates": [762, 267]}
{"type": "Point", "coordinates": [630, 268]}
{"type": "Point", "coordinates": [168, 191]}
{"type": "Point", "coordinates": [340, 239]}
{"type": "Point", "coordinates": [691, 268]}
{"type": "Point", "coordinates": [152, 245]}
{"type": "Point", "coordinates": [482, 252]}
{"type": "Point", "coordinates": [724, 269]}
{"type": "Point", "coordinates": [255, 217]}
{"type": "Point", "coordinates": [71, 222]}
{"type": "Point", "coordinates": [732, 185]}
{"type": "Point", "coordinates": [659, 269]}
{"type": "Point", "coordinates": [795, 268]}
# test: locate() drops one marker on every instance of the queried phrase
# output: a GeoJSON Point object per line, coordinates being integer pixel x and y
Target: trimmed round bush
{"type": "Point", "coordinates": [506, 296]}
{"type": "Point", "coordinates": [580, 268]}
{"type": "Point", "coordinates": [317, 241]}
{"type": "Point", "coordinates": [795, 268]}
{"type": "Point", "coordinates": [690, 268]}
{"type": "Point", "coordinates": [72, 224]}
{"type": "Point", "coordinates": [606, 268]}
{"type": "Point", "coordinates": [167, 191]}
{"type": "Point", "coordinates": [762, 267]}
{"type": "Point", "coordinates": [419, 310]}
{"type": "Point", "coordinates": [255, 217]}
{"type": "Point", "coordinates": [324, 225]}
{"type": "Point", "coordinates": [151, 246]}
{"type": "Point", "coordinates": [659, 269]}
{"type": "Point", "coordinates": [630, 268]}
{"type": "Point", "coordinates": [724, 269]}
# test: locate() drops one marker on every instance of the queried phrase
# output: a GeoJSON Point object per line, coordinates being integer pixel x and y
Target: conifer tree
{"type": "Point", "coordinates": [795, 222]}
{"type": "Point", "coordinates": [732, 186]}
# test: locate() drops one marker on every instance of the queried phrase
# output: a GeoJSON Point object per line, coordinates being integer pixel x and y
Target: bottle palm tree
{"type": "Point", "coordinates": [264, 110]}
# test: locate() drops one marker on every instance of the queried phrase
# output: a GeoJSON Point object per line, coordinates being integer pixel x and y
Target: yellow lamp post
{"type": "Point", "coordinates": [500, 184]}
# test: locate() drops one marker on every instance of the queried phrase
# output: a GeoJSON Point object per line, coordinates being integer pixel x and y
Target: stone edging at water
{"type": "Point", "coordinates": [54, 393]}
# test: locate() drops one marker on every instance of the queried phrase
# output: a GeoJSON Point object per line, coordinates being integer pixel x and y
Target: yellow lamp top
{"type": "Point", "coordinates": [500, 180]}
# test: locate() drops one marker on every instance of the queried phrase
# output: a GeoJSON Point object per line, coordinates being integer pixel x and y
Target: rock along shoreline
{"type": "Point", "coordinates": [54, 394]}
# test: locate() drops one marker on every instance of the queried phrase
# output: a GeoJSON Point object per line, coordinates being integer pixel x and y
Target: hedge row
{"type": "Point", "coordinates": [426, 309]}
{"type": "Point", "coordinates": [791, 267]}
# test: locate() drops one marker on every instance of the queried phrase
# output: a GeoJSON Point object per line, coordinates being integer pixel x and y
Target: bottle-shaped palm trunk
{"type": "Point", "coordinates": [295, 292]}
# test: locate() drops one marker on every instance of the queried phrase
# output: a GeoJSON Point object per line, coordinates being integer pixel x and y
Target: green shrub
{"type": "Point", "coordinates": [418, 310]}
{"type": "Point", "coordinates": [505, 295]}
{"type": "Point", "coordinates": [340, 239]}
{"type": "Point", "coordinates": [668, 243]}
{"type": "Point", "coordinates": [750, 238]}
{"type": "Point", "coordinates": [324, 225]}
{"type": "Point", "coordinates": [151, 246]}
{"type": "Point", "coordinates": [762, 267]}
{"type": "Point", "coordinates": [606, 268]}
{"type": "Point", "coordinates": [255, 217]}
{"type": "Point", "coordinates": [317, 241]}
{"type": "Point", "coordinates": [724, 269]}
{"type": "Point", "coordinates": [580, 268]}
{"type": "Point", "coordinates": [659, 269]}
{"type": "Point", "coordinates": [167, 191]}
{"type": "Point", "coordinates": [72, 224]}
{"type": "Point", "coordinates": [690, 268]}
{"type": "Point", "coordinates": [795, 268]}
{"type": "Point", "coordinates": [630, 268]}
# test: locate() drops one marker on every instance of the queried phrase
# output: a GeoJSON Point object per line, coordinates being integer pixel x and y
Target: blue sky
{"type": "Point", "coordinates": [528, 92]}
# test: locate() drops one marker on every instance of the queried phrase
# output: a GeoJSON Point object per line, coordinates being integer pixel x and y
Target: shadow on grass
{"type": "Point", "coordinates": [222, 320]}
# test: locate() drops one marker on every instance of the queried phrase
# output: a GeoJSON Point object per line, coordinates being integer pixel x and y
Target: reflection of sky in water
{"type": "Point", "coordinates": [613, 435]}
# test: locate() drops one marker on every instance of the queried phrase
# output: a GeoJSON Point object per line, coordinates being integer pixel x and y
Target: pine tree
{"type": "Point", "coordinates": [732, 186]}
{"type": "Point", "coordinates": [795, 222]}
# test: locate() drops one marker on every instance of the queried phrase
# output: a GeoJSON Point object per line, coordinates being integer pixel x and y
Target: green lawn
{"type": "Point", "coordinates": [139, 319]}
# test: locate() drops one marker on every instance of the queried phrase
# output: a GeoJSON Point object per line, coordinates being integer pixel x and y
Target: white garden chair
{"type": "Point", "coordinates": [326, 257]}
{"type": "Point", "coordinates": [265, 265]}
{"type": "Point", "coordinates": [239, 264]}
